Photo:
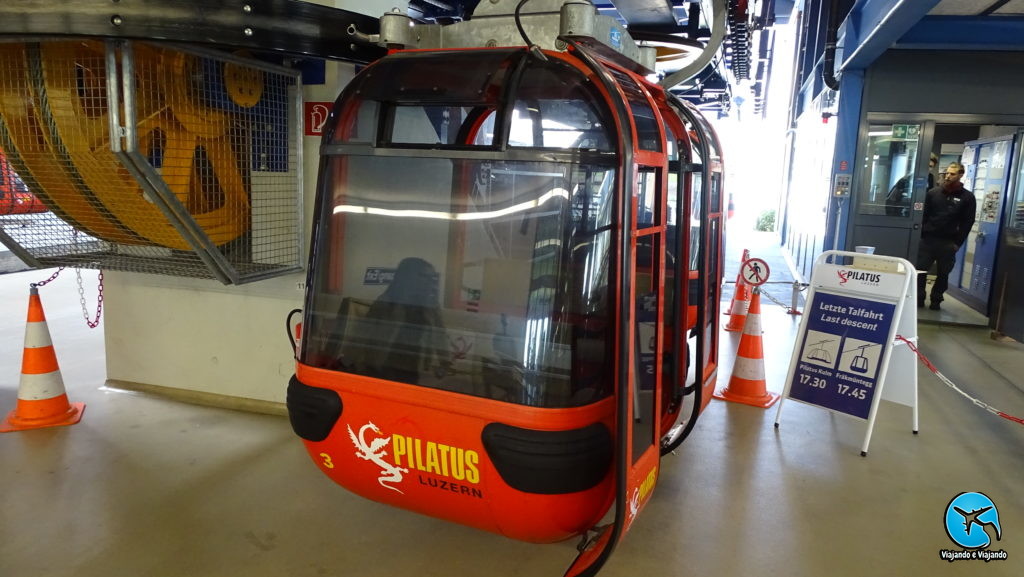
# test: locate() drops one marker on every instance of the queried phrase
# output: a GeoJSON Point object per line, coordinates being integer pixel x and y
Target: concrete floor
{"type": "Point", "coordinates": [145, 486]}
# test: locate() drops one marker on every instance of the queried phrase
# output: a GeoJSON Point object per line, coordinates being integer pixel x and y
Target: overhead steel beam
{"type": "Point", "coordinates": [646, 12]}
{"type": "Point", "coordinates": [965, 33]}
{"type": "Point", "coordinates": [285, 26]}
{"type": "Point", "coordinates": [874, 26]}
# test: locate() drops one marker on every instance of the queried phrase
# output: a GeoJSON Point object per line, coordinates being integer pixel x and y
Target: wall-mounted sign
{"type": "Point", "coordinates": [316, 114]}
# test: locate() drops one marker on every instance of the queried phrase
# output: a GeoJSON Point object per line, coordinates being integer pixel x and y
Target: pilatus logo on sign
{"type": "Point", "coordinates": [859, 275]}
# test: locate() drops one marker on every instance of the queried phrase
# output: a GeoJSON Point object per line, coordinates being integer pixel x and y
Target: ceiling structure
{"type": "Point", "coordinates": [866, 29]}
{"type": "Point", "coordinates": [740, 70]}
{"type": "Point", "coordinates": [978, 8]}
{"type": "Point", "coordinates": [741, 67]}
{"type": "Point", "coordinates": [677, 28]}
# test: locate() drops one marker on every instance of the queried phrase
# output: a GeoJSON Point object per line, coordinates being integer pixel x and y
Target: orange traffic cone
{"type": "Point", "coordinates": [42, 401]}
{"type": "Point", "coordinates": [740, 299]}
{"type": "Point", "coordinates": [747, 384]}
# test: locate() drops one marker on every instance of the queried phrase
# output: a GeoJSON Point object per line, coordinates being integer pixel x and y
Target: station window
{"type": "Point", "coordinates": [890, 157]}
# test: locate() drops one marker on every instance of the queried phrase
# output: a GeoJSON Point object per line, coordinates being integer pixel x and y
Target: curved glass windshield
{"type": "Point", "coordinates": [488, 278]}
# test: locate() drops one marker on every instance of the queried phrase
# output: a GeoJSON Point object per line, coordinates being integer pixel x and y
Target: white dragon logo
{"type": "Point", "coordinates": [374, 452]}
{"type": "Point", "coordinates": [634, 504]}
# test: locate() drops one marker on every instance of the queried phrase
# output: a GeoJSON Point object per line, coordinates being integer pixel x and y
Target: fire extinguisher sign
{"type": "Point", "coordinates": [856, 305]}
{"type": "Point", "coordinates": [316, 114]}
{"type": "Point", "coordinates": [839, 359]}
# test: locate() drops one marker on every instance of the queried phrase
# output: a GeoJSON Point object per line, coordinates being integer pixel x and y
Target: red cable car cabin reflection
{"type": "Point", "coordinates": [15, 197]}
{"type": "Point", "coordinates": [495, 328]}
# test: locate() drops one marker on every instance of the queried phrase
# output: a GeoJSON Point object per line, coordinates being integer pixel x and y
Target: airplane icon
{"type": "Point", "coordinates": [971, 518]}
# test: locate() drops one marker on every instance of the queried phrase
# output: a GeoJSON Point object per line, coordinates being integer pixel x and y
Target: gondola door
{"type": "Point", "coordinates": [641, 348]}
{"type": "Point", "coordinates": [647, 237]}
{"type": "Point", "coordinates": [644, 356]}
{"type": "Point", "coordinates": [648, 350]}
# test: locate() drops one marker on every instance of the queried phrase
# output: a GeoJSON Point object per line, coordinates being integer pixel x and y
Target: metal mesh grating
{"type": "Point", "coordinates": [201, 179]}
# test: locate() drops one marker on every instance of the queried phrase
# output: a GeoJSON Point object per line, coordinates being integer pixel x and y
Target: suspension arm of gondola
{"type": "Point", "coordinates": [284, 26]}
{"type": "Point", "coordinates": [719, 13]}
{"type": "Point", "coordinates": [666, 39]}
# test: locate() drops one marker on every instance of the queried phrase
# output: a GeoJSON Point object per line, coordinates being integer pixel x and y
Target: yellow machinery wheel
{"type": "Point", "coordinates": [244, 84]}
{"type": "Point", "coordinates": [33, 145]}
{"type": "Point", "coordinates": [171, 107]}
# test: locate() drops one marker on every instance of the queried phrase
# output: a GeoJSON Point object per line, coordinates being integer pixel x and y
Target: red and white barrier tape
{"type": "Point", "coordinates": [943, 378]}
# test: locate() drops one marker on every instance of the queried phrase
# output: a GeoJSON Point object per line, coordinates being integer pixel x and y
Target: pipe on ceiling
{"type": "Point", "coordinates": [828, 62]}
{"type": "Point", "coordinates": [719, 14]}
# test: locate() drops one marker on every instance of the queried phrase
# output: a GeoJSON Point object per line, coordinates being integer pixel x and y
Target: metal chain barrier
{"type": "Point", "coordinates": [81, 295]}
{"type": "Point", "coordinates": [47, 281]}
{"type": "Point", "coordinates": [943, 378]}
{"type": "Point", "coordinates": [792, 309]}
{"type": "Point", "coordinates": [81, 299]}
{"type": "Point", "coordinates": [768, 296]}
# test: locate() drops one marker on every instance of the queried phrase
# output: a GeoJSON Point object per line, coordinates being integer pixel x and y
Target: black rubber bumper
{"type": "Point", "coordinates": [549, 462]}
{"type": "Point", "coordinates": [312, 410]}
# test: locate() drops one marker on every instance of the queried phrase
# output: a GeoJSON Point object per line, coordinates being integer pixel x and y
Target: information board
{"type": "Point", "coordinates": [844, 350]}
{"type": "Point", "coordinates": [841, 353]}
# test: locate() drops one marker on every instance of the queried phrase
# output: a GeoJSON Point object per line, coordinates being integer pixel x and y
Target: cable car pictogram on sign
{"type": "Point", "coordinates": [860, 363]}
{"type": "Point", "coordinates": [818, 351]}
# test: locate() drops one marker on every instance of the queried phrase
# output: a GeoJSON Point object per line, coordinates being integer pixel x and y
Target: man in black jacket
{"type": "Point", "coordinates": [949, 212]}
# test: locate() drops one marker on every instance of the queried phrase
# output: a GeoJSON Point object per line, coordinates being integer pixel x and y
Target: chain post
{"type": "Point", "coordinates": [794, 309]}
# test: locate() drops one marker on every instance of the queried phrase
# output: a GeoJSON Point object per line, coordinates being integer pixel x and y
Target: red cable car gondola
{"type": "Point", "coordinates": [499, 315]}
{"type": "Point", "coordinates": [15, 197]}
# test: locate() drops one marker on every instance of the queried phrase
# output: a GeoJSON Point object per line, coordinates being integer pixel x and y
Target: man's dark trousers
{"type": "Point", "coordinates": [942, 252]}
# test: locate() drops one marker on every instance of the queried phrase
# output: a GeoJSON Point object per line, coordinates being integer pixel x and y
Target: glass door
{"type": "Point", "coordinates": [890, 161]}
{"type": "Point", "coordinates": [890, 181]}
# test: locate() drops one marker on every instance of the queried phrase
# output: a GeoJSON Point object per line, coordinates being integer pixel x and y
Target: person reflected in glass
{"type": "Point", "coordinates": [897, 202]}
{"type": "Point", "coordinates": [898, 199]}
{"type": "Point", "coordinates": [949, 213]}
{"type": "Point", "coordinates": [408, 335]}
